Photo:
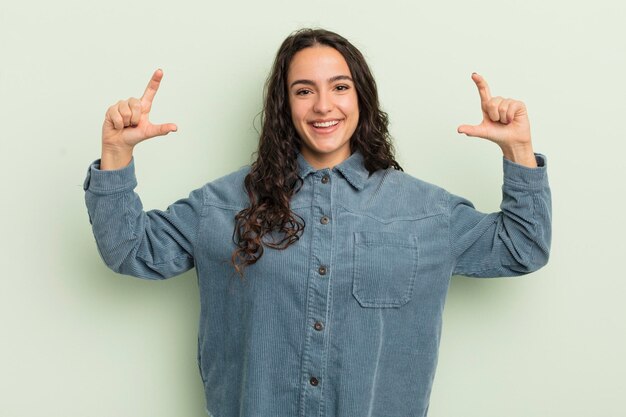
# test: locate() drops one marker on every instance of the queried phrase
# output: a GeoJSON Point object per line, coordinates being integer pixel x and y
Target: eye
{"type": "Point", "coordinates": [342, 87]}
{"type": "Point", "coordinates": [303, 92]}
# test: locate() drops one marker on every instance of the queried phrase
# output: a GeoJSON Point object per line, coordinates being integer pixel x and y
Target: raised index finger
{"type": "Point", "coordinates": [483, 87]}
{"type": "Point", "coordinates": [153, 86]}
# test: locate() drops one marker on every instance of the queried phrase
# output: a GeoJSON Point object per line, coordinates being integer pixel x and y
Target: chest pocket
{"type": "Point", "coordinates": [385, 268]}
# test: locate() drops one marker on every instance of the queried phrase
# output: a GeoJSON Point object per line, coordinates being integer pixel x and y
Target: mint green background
{"type": "Point", "coordinates": [78, 340]}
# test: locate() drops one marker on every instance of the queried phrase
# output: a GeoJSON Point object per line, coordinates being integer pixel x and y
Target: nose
{"type": "Point", "coordinates": [323, 104]}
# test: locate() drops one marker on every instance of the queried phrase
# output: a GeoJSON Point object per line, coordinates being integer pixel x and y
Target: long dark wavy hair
{"type": "Point", "coordinates": [273, 178]}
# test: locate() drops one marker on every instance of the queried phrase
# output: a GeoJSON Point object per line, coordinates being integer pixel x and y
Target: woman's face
{"type": "Point", "coordinates": [324, 105]}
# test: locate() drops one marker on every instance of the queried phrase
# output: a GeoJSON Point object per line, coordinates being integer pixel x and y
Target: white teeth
{"type": "Point", "coordinates": [326, 124]}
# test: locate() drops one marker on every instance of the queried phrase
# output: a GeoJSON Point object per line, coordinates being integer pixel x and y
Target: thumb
{"type": "Point", "coordinates": [163, 129]}
{"type": "Point", "coordinates": [470, 130]}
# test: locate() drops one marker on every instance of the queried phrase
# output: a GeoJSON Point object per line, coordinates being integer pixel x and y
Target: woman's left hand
{"type": "Point", "coordinates": [505, 122]}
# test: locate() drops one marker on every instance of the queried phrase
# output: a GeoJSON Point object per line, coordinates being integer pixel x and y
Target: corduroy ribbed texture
{"type": "Point", "coordinates": [347, 321]}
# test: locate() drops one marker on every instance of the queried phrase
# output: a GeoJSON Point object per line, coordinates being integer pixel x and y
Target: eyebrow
{"type": "Point", "coordinates": [330, 80]}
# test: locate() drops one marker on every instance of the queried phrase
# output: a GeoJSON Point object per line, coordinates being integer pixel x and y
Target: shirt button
{"type": "Point", "coordinates": [324, 220]}
{"type": "Point", "coordinates": [322, 270]}
{"type": "Point", "coordinates": [325, 179]}
{"type": "Point", "coordinates": [313, 381]}
{"type": "Point", "coordinates": [318, 326]}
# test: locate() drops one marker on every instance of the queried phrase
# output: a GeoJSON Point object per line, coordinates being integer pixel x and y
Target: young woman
{"type": "Point", "coordinates": [322, 268]}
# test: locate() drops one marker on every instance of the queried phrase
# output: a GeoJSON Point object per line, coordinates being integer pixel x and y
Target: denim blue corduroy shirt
{"type": "Point", "coordinates": [346, 322]}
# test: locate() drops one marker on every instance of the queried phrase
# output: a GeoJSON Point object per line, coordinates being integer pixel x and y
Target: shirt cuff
{"type": "Point", "coordinates": [520, 175]}
{"type": "Point", "coordinates": [110, 181]}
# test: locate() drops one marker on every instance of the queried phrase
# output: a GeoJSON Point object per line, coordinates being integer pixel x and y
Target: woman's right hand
{"type": "Point", "coordinates": [126, 124]}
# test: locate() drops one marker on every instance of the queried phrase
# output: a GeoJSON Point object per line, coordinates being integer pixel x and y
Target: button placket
{"type": "Point", "coordinates": [316, 345]}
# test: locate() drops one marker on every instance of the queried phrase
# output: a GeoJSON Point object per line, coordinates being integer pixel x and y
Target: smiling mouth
{"type": "Point", "coordinates": [329, 123]}
{"type": "Point", "coordinates": [325, 127]}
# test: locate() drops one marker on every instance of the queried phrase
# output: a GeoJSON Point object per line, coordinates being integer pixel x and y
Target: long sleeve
{"type": "Point", "coordinates": [154, 244]}
{"type": "Point", "coordinates": [511, 242]}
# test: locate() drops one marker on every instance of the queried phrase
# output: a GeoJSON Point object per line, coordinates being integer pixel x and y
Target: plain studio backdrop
{"type": "Point", "coordinates": [79, 340]}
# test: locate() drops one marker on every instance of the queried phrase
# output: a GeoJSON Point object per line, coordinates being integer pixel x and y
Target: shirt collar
{"type": "Point", "coordinates": [353, 169]}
